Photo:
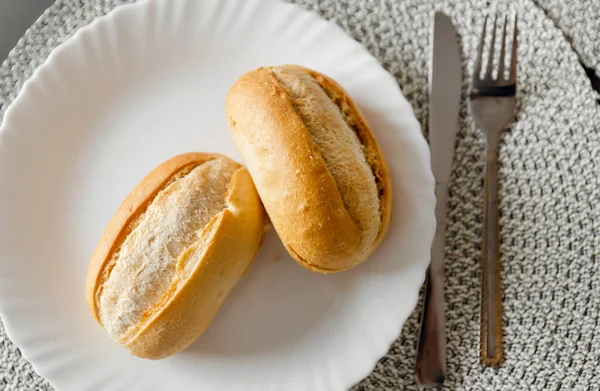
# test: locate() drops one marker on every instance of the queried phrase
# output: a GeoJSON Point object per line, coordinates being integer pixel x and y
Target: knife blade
{"type": "Point", "coordinates": [445, 80]}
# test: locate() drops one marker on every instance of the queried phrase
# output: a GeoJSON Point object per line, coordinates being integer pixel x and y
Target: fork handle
{"type": "Point", "coordinates": [491, 298]}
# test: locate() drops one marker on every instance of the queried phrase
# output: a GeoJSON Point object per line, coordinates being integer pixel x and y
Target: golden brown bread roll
{"type": "Point", "coordinates": [173, 251]}
{"type": "Point", "coordinates": [315, 163]}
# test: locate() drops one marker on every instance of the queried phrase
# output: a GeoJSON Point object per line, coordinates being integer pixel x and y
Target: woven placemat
{"type": "Point", "coordinates": [579, 20]}
{"type": "Point", "coordinates": [550, 161]}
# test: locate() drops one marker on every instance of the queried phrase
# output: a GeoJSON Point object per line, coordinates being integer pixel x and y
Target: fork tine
{"type": "Point", "coordinates": [513, 57]}
{"type": "Point", "coordinates": [477, 70]}
{"type": "Point", "coordinates": [502, 52]}
{"type": "Point", "coordinates": [490, 64]}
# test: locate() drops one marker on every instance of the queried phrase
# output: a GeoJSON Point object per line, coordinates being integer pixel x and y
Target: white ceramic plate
{"type": "Point", "coordinates": [137, 87]}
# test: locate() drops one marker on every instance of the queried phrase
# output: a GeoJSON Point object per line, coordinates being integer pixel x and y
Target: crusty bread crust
{"type": "Point", "coordinates": [372, 151]}
{"type": "Point", "coordinates": [225, 249]}
{"type": "Point", "coordinates": [135, 203]}
{"type": "Point", "coordinates": [300, 194]}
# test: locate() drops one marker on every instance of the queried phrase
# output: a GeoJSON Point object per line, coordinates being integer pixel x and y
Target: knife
{"type": "Point", "coordinates": [445, 80]}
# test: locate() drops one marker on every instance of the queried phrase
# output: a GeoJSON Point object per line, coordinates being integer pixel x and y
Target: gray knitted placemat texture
{"type": "Point", "coordinates": [580, 22]}
{"type": "Point", "coordinates": [550, 161]}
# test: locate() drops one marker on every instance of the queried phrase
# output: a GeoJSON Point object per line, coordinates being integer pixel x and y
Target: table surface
{"type": "Point", "coordinates": [15, 18]}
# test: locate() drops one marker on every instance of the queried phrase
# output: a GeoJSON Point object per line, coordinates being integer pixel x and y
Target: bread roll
{"type": "Point", "coordinates": [315, 163]}
{"type": "Point", "coordinates": [173, 251]}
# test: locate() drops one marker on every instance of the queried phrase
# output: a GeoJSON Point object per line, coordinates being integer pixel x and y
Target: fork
{"type": "Point", "coordinates": [493, 103]}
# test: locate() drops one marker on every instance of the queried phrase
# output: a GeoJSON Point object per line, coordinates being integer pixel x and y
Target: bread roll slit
{"type": "Point", "coordinates": [161, 247]}
{"type": "Point", "coordinates": [188, 260]}
{"type": "Point", "coordinates": [372, 156]}
{"type": "Point", "coordinates": [334, 132]}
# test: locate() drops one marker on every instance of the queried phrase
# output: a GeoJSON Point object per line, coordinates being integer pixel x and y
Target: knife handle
{"type": "Point", "coordinates": [431, 346]}
{"type": "Point", "coordinates": [491, 294]}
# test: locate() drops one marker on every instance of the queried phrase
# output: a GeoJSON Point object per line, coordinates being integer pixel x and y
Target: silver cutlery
{"type": "Point", "coordinates": [444, 102]}
{"type": "Point", "coordinates": [492, 103]}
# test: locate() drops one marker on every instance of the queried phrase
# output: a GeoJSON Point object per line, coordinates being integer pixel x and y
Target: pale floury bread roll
{"type": "Point", "coordinates": [172, 253]}
{"type": "Point", "coordinates": [315, 163]}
